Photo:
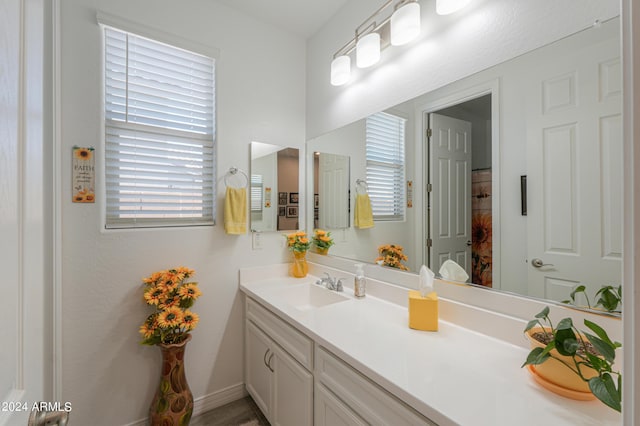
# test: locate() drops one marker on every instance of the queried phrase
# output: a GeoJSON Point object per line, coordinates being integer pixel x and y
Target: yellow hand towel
{"type": "Point", "coordinates": [363, 216]}
{"type": "Point", "coordinates": [235, 211]}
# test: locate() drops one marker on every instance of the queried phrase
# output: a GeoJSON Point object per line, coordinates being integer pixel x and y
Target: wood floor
{"type": "Point", "coordinates": [243, 412]}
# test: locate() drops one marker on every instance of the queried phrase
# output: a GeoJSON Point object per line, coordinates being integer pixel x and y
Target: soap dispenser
{"type": "Point", "coordinates": [360, 282]}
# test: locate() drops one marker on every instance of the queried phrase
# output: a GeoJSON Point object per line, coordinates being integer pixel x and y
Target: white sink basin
{"type": "Point", "coordinates": [310, 296]}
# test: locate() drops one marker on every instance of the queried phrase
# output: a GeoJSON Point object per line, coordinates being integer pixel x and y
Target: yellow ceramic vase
{"type": "Point", "coordinates": [323, 251]}
{"type": "Point", "coordinates": [300, 267]}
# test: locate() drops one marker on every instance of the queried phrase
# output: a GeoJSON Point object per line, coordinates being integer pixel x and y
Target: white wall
{"type": "Point", "coordinates": [109, 378]}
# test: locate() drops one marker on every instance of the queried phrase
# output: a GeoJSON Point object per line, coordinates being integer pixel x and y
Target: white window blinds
{"type": "Point", "coordinates": [256, 193]}
{"type": "Point", "coordinates": [385, 139]}
{"type": "Point", "coordinates": [159, 134]}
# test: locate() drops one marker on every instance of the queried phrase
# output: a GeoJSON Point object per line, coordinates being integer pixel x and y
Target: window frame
{"type": "Point", "coordinates": [208, 219]}
{"type": "Point", "coordinates": [399, 196]}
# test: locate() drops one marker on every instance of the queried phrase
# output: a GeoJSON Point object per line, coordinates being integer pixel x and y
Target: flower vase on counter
{"type": "Point", "coordinates": [298, 243]}
{"type": "Point", "coordinates": [322, 240]}
{"type": "Point", "coordinates": [300, 267]}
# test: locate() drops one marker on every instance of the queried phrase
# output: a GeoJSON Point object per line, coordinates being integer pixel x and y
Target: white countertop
{"type": "Point", "coordinates": [452, 376]}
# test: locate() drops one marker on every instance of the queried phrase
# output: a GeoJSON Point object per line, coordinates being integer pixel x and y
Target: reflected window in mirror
{"type": "Point", "coordinates": [385, 147]}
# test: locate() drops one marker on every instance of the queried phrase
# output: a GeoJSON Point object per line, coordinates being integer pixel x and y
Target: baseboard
{"type": "Point", "coordinates": [209, 402]}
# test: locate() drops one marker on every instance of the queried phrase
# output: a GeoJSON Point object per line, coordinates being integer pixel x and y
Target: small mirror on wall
{"type": "Point", "coordinates": [330, 191]}
{"type": "Point", "coordinates": [274, 187]}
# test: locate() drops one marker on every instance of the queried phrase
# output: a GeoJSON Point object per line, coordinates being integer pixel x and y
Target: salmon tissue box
{"type": "Point", "coordinates": [423, 311]}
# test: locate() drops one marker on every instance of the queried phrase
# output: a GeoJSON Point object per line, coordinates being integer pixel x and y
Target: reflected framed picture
{"type": "Point", "coordinates": [293, 198]}
{"type": "Point", "coordinates": [281, 211]}
{"type": "Point", "coordinates": [282, 199]}
{"type": "Point", "coordinates": [292, 211]}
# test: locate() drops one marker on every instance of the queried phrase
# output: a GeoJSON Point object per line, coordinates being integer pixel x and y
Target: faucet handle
{"type": "Point", "coordinates": [339, 284]}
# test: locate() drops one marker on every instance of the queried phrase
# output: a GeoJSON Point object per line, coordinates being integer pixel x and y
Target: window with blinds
{"type": "Point", "coordinates": [256, 193]}
{"type": "Point", "coordinates": [385, 140]}
{"type": "Point", "coordinates": [159, 134]}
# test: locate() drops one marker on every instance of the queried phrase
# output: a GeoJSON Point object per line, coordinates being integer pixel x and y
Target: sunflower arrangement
{"type": "Point", "coordinates": [298, 242]}
{"type": "Point", "coordinates": [391, 255]}
{"type": "Point", "coordinates": [171, 298]}
{"type": "Point", "coordinates": [322, 239]}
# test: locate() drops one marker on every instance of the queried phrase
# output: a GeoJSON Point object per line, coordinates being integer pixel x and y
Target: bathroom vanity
{"type": "Point", "coordinates": [315, 356]}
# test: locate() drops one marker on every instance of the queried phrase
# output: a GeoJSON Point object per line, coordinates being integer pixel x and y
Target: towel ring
{"type": "Point", "coordinates": [361, 184]}
{"type": "Point", "coordinates": [233, 171]}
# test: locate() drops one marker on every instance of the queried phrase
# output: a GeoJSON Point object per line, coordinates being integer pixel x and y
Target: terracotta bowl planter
{"type": "Point", "coordinates": [555, 372]}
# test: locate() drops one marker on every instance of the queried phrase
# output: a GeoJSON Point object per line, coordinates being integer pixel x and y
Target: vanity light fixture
{"type": "Point", "coordinates": [368, 50]}
{"type": "Point", "coordinates": [405, 23]}
{"type": "Point", "coordinates": [446, 7]}
{"type": "Point", "coordinates": [378, 31]}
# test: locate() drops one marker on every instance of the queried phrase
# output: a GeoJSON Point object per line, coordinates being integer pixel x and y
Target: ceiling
{"type": "Point", "coordinates": [302, 17]}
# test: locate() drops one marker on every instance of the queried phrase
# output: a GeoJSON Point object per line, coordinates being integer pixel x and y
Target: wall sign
{"type": "Point", "coordinates": [83, 175]}
{"type": "Point", "coordinates": [409, 193]}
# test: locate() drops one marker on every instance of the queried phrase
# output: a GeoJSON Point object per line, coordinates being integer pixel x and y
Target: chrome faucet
{"type": "Point", "coordinates": [331, 283]}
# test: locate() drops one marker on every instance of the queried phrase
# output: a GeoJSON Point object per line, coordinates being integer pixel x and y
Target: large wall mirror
{"type": "Point", "coordinates": [515, 173]}
{"type": "Point", "coordinates": [274, 188]}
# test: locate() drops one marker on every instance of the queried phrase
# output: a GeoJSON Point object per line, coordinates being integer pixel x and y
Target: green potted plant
{"type": "Point", "coordinates": [565, 349]}
{"type": "Point", "coordinates": [609, 298]}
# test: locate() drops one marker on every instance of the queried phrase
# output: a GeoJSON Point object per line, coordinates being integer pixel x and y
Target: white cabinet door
{"type": "Point", "coordinates": [280, 386]}
{"type": "Point", "coordinates": [330, 411]}
{"type": "Point", "coordinates": [258, 375]}
{"type": "Point", "coordinates": [292, 391]}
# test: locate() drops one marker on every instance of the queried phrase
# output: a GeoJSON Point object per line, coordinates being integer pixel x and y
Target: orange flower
{"type": "Point", "coordinates": [83, 154]}
{"type": "Point", "coordinates": [171, 317]}
{"type": "Point", "coordinates": [169, 302]}
{"type": "Point", "coordinates": [152, 295]}
{"type": "Point", "coordinates": [320, 232]}
{"type": "Point", "coordinates": [190, 291]}
{"type": "Point", "coordinates": [190, 320]}
{"type": "Point", "coordinates": [147, 330]}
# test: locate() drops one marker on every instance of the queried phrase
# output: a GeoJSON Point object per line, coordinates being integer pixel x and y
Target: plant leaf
{"type": "Point", "coordinates": [543, 313]}
{"type": "Point", "coordinates": [531, 324]}
{"type": "Point", "coordinates": [598, 363]}
{"type": "Point", "coordinates": [565, 323]}
{"type": "Point", "coordinates": [566, 342]}
{"type": "Point", "coordinates": [579, 289]}
{"type": "Point", "coordinates": [605, 390]}
{"type": "Point", "coordinates": [536, 356]}
{"type": "Point", "coordinates": [599, 332]}
{"type": "Point", "coordinates": [607, 351]}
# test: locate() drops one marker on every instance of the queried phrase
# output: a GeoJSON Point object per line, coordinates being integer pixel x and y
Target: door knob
{"type": "Point", "coordinates": [538, 263]}
{"type": "Point", "coordinates": [468, 242]}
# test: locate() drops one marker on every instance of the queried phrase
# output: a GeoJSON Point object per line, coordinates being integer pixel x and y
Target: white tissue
{"type": "Point", "coordinates": [451, 271]}
{"type": "Point", "coordinates": [426, 281]}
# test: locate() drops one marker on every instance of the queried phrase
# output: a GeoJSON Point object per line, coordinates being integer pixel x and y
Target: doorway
{"type": "Point", "coordinates": [460, 187]}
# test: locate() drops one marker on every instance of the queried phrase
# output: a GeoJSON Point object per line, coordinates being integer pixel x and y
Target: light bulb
{"type": "Point", "coordinates": [405, 24]}
{"type": "Point", "coordinates": [445, 7]}
{"type": "Point", "coordinates": [368, 50]}
{"type": "Point", "coordinates": [340, 70]}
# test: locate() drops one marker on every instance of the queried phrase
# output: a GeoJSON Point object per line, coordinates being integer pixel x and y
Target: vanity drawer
{"type": "Point", "coordinates": [299, 346]}
{"type": "Point", "coordinates": [375, 405]}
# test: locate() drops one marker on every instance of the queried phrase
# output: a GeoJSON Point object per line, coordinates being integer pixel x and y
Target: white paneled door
{"type": "Point", "coordinates": [23, 224]}
{"type": "Point", "coordinates": [450, 199]}
{"type": "Point", "coordinates": [574, 168]}
{"type": "Point", "coordinates": [333, 173]}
